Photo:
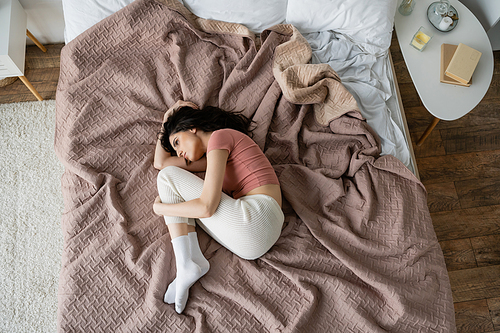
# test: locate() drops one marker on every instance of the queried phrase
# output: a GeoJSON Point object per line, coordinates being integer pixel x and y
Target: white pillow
{"type": "Point", "coordinates": [256, 15]}
{"type": "Point", "coordinates": [366, 22]}
{"type": "Point", "coordinates": [80, 15]}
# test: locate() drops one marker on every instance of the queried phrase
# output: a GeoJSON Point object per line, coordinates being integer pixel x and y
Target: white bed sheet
{"type": "Point", "coordinates": [368, 23]}
{"type": "Point", "coordinates": [369, 79]}
{"type": "Point", "coordinates": [81, 15]}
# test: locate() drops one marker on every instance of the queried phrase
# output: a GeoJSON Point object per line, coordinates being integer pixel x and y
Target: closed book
{"type": "Point", "coordinates": [447, 52]}
{"type": "Point", "coordinates": [463, 63]}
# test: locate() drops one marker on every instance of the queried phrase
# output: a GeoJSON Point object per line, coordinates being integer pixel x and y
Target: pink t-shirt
{"type": "Point", "coordinates": [247, 167]}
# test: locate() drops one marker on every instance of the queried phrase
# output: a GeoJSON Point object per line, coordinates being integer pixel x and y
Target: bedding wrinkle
{"type": "Point", "coordinates": [357, 253]}
{"type": "Point", "coordinates": [367, 76]}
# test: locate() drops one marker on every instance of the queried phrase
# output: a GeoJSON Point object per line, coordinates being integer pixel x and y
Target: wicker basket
{"type": "Point", "coordinates": [8, 80]}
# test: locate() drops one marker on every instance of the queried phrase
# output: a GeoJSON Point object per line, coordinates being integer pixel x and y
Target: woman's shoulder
{"type": "Point", "coordinates": [230, 131]}
{"type": "Point", "coordinates": [221, 139]}
{"type": "Point", "coordinates": [229, 134]}
{"type": "Point", "coordinates": [230, 139]}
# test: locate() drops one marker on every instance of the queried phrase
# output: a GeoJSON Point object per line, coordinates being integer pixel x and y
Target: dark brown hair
{"type": "Point", "coordinates": [208, 119]}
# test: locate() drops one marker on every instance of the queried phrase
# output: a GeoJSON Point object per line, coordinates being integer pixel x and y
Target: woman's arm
{"type": "Point", "coordinates": [163, 159]}
{"type": "Point", "coordinates": [207, 203]}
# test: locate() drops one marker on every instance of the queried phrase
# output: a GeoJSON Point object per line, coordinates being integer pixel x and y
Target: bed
{"type": "Point", "coordinates": [358, 252]}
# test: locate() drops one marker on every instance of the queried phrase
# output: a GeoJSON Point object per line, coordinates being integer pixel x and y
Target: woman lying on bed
{"type": "Point", "coordinates": [238, 203]}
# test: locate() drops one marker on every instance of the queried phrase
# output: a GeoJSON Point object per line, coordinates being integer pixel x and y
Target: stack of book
{"type": "Point", "coordinates": [458, 64]}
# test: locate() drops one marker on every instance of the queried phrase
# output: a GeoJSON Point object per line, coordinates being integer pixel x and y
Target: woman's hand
{"type": "Point", "coordinates": [157, 206]}
{"type": "Point", "coordinates": [179, 104]}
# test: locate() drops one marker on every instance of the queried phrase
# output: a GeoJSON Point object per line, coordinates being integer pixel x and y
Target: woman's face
{"type": "Point", "coordinates": [187, 145]}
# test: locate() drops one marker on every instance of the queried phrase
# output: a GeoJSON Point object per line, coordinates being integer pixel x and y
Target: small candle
{"type": "Point", "coordinates": [420, 40]}
{"type": "Point", "coordinates": [445, 23]}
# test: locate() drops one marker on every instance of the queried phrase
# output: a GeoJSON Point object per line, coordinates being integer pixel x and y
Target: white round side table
{"type": "Point", "coordinates": [444, 101]}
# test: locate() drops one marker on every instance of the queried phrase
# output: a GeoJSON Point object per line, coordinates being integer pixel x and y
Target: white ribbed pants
{"type": "Point", "coordinates": [248, 226]}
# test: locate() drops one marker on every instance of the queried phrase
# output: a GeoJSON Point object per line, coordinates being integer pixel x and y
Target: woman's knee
{"type": "Point", "coordinates": [168, 176]}
{"type": "Point", "coordinates": [165, 182]}
{"type": "Point", "coordinates": [168, 172]}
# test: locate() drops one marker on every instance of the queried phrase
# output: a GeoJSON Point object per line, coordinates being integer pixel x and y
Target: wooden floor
{"type": "Point", "coordinates": [459, 164]}
{"type": "Point", "coordinates": [42, 70]}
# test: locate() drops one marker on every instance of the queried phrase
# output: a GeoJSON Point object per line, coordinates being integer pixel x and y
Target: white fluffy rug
{"type": "Point", "coordinates": [31, 207]}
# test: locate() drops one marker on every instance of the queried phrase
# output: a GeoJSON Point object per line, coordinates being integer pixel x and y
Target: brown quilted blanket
{"type": "Point", "coordinates": [358, 252]}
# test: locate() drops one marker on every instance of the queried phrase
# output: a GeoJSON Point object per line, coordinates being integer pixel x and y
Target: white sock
{"type": "Point", "coordinates": [188, 272]}
{"type": "Point", "coordinates": [198, 257]}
